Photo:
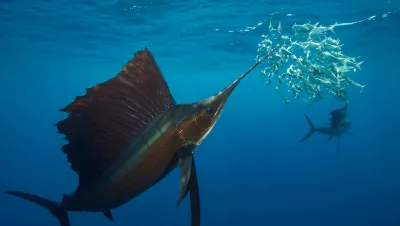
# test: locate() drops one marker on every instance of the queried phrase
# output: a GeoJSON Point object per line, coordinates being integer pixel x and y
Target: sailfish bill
{"type": "Point", "coordinates": [128, 133]}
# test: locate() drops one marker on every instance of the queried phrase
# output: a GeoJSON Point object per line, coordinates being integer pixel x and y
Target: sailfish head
{"type": "Point", "coordinates": [205, 113]}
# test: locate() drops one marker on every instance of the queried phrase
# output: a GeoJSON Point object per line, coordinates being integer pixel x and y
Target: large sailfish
{"type": "Point", "coordinates": [127, 134]}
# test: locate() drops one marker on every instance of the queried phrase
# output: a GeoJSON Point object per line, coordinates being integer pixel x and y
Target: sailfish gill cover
{"type": "Point", "coordinates": [251, 168]}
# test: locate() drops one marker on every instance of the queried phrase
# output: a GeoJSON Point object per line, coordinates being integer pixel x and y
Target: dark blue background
{"type": "Point", "coordinates": [252, 170]}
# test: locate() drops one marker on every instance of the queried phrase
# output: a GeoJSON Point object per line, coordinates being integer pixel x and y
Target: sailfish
{"type": "Point", "coordinates": [337, 126]}
{"type": "Point", "coordinates": [128, 133]}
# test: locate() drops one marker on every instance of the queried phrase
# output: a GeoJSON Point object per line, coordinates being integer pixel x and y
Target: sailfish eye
{"type": "Point", "coordinates": [210, 110]}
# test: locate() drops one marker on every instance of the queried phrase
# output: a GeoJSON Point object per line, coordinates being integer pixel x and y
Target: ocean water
{"type": "Point", "coordinates": [252, 169]}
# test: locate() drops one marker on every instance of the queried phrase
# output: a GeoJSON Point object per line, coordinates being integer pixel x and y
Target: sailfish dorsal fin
{"type": "Point", "coordinates": [338, 116]}
{"type": "Point", "coordinates": [103, 121]}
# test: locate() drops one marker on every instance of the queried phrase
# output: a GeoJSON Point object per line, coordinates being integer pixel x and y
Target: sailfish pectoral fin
{"type": "Point", "coordinates": [188, 182]}
{"type": "Point", "coordinates": [353, 135]}
{"type": "Point", "coordinates": [185, 164]}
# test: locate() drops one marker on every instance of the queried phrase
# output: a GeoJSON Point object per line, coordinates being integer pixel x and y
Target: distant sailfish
{"type": "Point", "coordinates": [338, 126]}
{"type": "Point", "coordinates": [127, 134]}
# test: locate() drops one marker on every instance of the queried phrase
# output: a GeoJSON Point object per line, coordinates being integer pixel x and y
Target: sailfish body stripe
{"type": "Point", "coordinates": [142, 146]}
{"type": "Point", "coordinates": [143, 162]}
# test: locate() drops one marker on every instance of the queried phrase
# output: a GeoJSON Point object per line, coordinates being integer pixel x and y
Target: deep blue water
{"type": "Point", "coordinates": [252, 170]}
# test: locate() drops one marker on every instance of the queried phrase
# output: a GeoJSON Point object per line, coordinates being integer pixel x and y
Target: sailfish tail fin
{"type": "Point", "coordinates": [311, 131]}
{"type": "Point", "coordinates": [55, 208]}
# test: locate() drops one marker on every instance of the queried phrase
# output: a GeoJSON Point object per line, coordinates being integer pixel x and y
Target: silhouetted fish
{"type": "Point", "coordinates": [337, 126]}
{"type": "Point", "coordinates": [127, 134]}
